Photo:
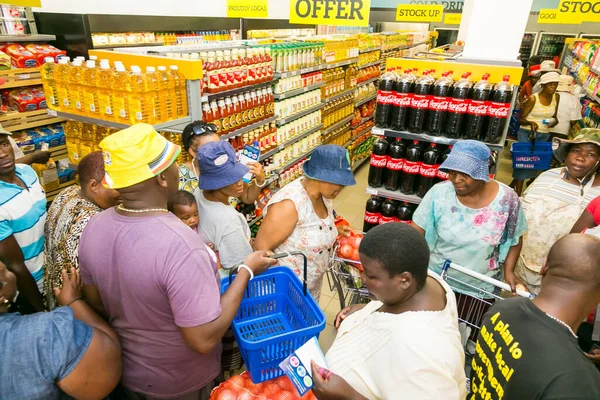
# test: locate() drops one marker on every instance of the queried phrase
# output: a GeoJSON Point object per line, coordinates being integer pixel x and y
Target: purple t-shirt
{"type": "Point", "coordinates": [153, 274]}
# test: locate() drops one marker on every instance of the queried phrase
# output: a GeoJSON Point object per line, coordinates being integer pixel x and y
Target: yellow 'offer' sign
{"type": "Point", "coordinates": [330, 12]}
{"type": "Point", "coordinates": [247, 8]}
{"type": "Point", "coordinates": [416, 13]}
{"type": "Point", "coordinates": [452, 19]}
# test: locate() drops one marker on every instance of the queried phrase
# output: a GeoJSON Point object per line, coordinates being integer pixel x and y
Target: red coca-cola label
{"type": "Point", "coordinates": [385, 97]}
{"type": "Point", "coordinates": [429, 171]}
{"type": "Point", "coordinates": [411, 167]}
{"type": "Point", "coordinates": [478, 107]}
{"type": "Point", "coordinates": [442, 175]}
{"type": "Point", "coordinates": [402, 99]}
{"type": "Point", "coordinates": [372, 218]}
{"type": "Point", "coordinates": [379, 161]}
{"type": "Point", "coordinates": [395, 164]}
{"type": "Point", "coordinates": [498, 110]}
{"type": "Point", "coordinates": [420, 101]}
{"type": "Point", "coordinates": [409, 222]}
{"type": "Point", "coordinates": [458, 106]}
{"type": "Point", "coordinates": [439, 103]}
{"type": "Point", "coordinates": [387, 220]}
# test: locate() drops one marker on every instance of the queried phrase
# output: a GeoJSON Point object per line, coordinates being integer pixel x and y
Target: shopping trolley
{"type": "Point", "coordinates": [344, 277]}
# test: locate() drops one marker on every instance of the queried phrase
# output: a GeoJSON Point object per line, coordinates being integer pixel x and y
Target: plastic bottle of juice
{"type": "Point", "coordinates": [103, 83]}
{"type": "Point", "coordinates": [167, 88]}
{"type": "Point", "coordinates": [157, 106]}
{"type": "Point", "coordinates": [47, 72]}
{"type": "Point", "coordinates": [90, 95]}
{"type": "Point", "coordinates": [180, 91]}
{"type": "Point", "coordinates": [74, 78]}
{"type": "Point", "coordinates": [140, 97]}
{"type": "Point", "coordinates": [120, 89]}
{"type": "Point", "coordinates": [62, 85]}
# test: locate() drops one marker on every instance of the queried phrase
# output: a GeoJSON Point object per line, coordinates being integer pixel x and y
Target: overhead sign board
{"type": "Point", "coordinates": [247, 8]}
{"type": "Point", "coordinates": [419, 13]}
{"type": "Point", "coordinates": [571, 12]}
{"type": "Point", "coordinates": [23, 3]}
{"type": "Point", "coordinates": [330, 12]}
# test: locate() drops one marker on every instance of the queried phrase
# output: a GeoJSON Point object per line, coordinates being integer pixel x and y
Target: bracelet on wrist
{"type": "Point", "coordinates": [73, 301]}
{"type": "Point", "coordinates": [247, 268]}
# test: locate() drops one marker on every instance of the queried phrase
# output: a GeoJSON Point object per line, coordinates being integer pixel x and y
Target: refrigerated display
{"type": "Point", "coordinates": [527, 45]}
{"type": "Point", "coordinates": [551, 44]}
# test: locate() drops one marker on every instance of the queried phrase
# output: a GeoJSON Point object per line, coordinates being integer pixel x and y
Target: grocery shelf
{"type": "Point", "coordinates": [279, 75]}
{"type": "Point", "coordinates": [255, 220]}
{"type": "Point", "coordinates": [300, 114]}
{"type": "Point", "coordinates": [290, 142]}
{"type": "Point", "coordinates": [410, 46]}
{"type": "Point", "coordinates": [339, 95]}
{"type": "Point", "coordinates": [249, 128]}
{"type": "Point", "coordinates": [295, 160]}
{"type": "Point", "coordinates": [28, 120]}
{"type": "Point", "coordinates": [214, 96]}
{"type": "Point", "coordinates": [360, 162]}
{"type": "Point", "coordinates": [371, 64]}
{"type": "Point", "coordinates": [365, 119]}
{"type": "Point", "coordinates": [396, 195]}
{"type": "Point", "coordinates": [125, 45]}
{"type": "Point", "coordinates": [365, 100]}
{"type": "Point", "coordinates": [117, 125]}
{"type": "Point", "coordinates": [337, 125]}
{"type": "Point", "coordinates": [342, 63]}
{"type": "Point", "coordinates": [370, 49]}
{"type": "Point", "coordinates": [27, 38]}
{"type": "Point", "coordinates": [292, 93]}
{"type": "Point", "coordinates": [427, 138]}
{"type": "Point", "coordinates": [367, 81]}
{"type": "Point", "coordinates": [20, 83]}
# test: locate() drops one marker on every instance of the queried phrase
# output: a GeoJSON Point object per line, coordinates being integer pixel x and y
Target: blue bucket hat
{"type": "Point", "coordinates": [469, 157]}
{"type": "Point", "coordinates": [330, 163]}
{"type": "Point", "coordinates": [218, 166]}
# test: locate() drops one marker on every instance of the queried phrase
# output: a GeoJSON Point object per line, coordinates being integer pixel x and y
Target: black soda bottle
{"type": "Point", "coordinates": [395, 164]}
{"type": "Point", "coordinates": [378, 165]}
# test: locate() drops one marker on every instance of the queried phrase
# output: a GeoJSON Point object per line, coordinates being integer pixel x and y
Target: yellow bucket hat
{"type": "Point", "coordinates": [135, 155]}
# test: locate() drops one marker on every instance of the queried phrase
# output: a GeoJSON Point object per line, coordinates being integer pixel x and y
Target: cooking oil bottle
{"type": "Point", "coordinates": [47, 72]}
{"type": "Point", "coordinates": [157, 106]}
{"type": "Point", "coordinates": [180, 91]}
{"type": "Point", "coordinates": [74, 78]}
{"type": "Point", "coordinates": [103, 83]}
{"type": "Point", "coordinates": [73, 136]}
{"type": "Point", "coordinates": [90, 95]}
{"type": "Point", "coordinates": [166, 86]}
{"type": "Point", "coordinates": [62, 85]}
{"type": "Point", "coordinates": [140, 97]}
{"type": "Point", "coordinates": [120, 90]}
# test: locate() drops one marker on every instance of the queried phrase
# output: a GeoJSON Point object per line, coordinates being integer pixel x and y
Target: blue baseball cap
{"type": "Point", "coordinates": [330, 163]}
{"type": "Point", "coordinates": [218, 166]}
{"type": "Point", "coordinates": [470, 157]}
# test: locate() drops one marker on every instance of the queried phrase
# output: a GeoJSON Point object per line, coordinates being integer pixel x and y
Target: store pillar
{"type": "Point", "coordinates": [493, 29]}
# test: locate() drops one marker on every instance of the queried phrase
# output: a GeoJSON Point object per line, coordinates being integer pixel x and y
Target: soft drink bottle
{"type": "Point", "coordinates": [402, 100]}
{"type": "Point", "coordinates": [47, 72]}
{"type": "Point", "coordinates": [420, 103]}
{"type": "Point", "coordinates": [458, 106]}
{"type": "Point", "coordinates": [385, 98]}
{"type": "Point", "coordinates": [499, 110]}
{"type": "Point", "coordinates": [103, 83]}
{"type": "Point", "coordinates": [389, 210]}
{"type": "Point", "coordinates": [412, 166]}
{"type": "Point", "coordinates": [379, 160]}
{"type": "Point", "coordinates": [180, 91]}
{"type": "Point", "coordinates": [438, 105]}
{"type": "Point", "coordinates": [372, 213]}
{"type": "Point", "coordinates": [428, 170]}
{"type": "Point", "coordinates": [89, 91]}
{"type": "Point", "coordinates": [405, 213]}
{"type": "Point", "coordinates": [61, 72]}
{"type": "Point", "coordinates": [478, 108]}
{"type": "Point", "coordinates": [395, 164]}
{"type": "Point", "coordinates": [442, 175]}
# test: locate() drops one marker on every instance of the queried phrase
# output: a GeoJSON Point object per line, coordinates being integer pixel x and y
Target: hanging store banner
{"type": "Point", "coordinates": [418, 13]}
{"type": "Point", "coordinates": [330, 12]}
{"type": "Point", "coordinates": [571, 12]}
{"type": "Point", "coordinates": [23, 3]}
{"type": "Point", "coordinates": [247, 8]}
{"type": "Point", "coordinates": [452, 19]}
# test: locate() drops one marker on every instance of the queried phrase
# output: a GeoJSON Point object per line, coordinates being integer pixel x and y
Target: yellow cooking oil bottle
{"type": "Point", "coordinates": [47, 72]}
{"type": "Point", "coordinates": [88, 136]}
{"type": "Point", "coordinates": [90, 95]}
{"type": "Point", "coordinates": [62, 85]}
{"type": "Point", "coordinates": [103, 83]}
{"type": "Point", "coordinates": [74, 78]}
{"type": "Point", "coordinates": [140, 97]}
{"type": "Point", "coordinates": [166, 86]}
{"type": "Point", "coordinates": [73, 131]}
{"type": "Point", "coordinates": [120, 86]}
{"type": "Point", "coordinates": [180, 91]}
{"type": "Point", "coordinates": [158, 106]}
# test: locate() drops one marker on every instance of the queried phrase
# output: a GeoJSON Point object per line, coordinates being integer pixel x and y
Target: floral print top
{"type": "Point", "coordinates": [477, 239]}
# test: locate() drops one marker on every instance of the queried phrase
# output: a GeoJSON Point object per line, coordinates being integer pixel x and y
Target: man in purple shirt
{"type": "Point", "coordinates": [153, 278]}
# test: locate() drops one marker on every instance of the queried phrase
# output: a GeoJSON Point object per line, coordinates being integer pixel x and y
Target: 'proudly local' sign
{"type": "Point", "coordinates": [247, 8]}
{"type": "Point", "coordinates": [330, 12]}
{"type": "Point", "coordinates": [417, 13]}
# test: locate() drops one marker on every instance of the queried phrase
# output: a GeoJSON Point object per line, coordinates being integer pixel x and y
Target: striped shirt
{"type": "Point", "coordinates": [23, 214]}
{"type": "Point", "coordinates": [551, 185]}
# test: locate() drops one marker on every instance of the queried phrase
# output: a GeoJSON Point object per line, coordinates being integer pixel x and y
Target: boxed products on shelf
{"type": "Point", "coordinates": [14, 21]}
{"type": "Point", "coordinates": [24, 99]}
{"type": "Point", "coordinates": [33, 139]}
{"type": "Point", "coordinates": [289, 107]}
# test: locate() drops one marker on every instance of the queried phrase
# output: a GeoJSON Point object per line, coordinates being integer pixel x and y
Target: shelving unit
{"type": "Point", "coordinates": [371, 64]}
{"type": "Point", "coordinates": [27, 120]}
{"type": "Point", "coordinates": [300, 114]}
{"type": "Point", "coordinates": [279, 75]}
{"type": "Point", "coordinates": [27, 38]}
{"type": "Point", "coordinates": [365, 100]}
{"type": "Point", "coordinates": [215, 96]}
{"type": "Point", "coordinates": [248, 128]}
{"type": "Point", "coordinates": [339, 95]}
{"type": "Point", "coordinates": [360, 162]}
{"type": "Point", "coordinates": [20, 77]}
{"type": "Point", "coordinates": [296, 92]}
{"type": "Point", "coordinates": [367, 81]}
{"type": "Point", "coordinates": [341, 63]}
{"type": "Point", "coordinates": [396, 195]}
{"type": "Point", "coordinates": [370, 49]}
{"type": "Point", "coordinates": [163, 126]}
{"type": "Point", "coordinates": [337, 124]}
{"type": "Point", "coordinates": [294, 161]}
{"type": "Point", "coordinates": [290, 142]}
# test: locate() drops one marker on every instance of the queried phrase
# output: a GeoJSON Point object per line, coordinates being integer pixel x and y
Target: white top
{"type": "Point", "coordinates": [413, 355]}
{"type": "Point", "coordinates": [541, 112]}
{"type": "Point", "coordinates": [569, 109]}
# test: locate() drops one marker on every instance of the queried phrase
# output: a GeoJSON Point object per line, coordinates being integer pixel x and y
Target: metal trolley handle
{"type": "Point", "coordinates": [233, 271]}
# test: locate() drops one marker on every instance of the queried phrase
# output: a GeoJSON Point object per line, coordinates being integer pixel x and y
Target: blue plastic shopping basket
{"type": "Point", "coordinates": [276, 317]}
{"type": "Point", "coordinates": [532, 156]}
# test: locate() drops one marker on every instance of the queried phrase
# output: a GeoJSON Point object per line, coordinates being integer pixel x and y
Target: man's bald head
{"type": "Point", "coordinates": [575, 260]}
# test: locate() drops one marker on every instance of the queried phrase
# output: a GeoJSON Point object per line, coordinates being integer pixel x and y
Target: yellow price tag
{"type": "Point", "coordinates": [330, 12]}
{"type": "Point", "coordinates": [247, 8]}
{"type": "Point", "coordinates": [416, 13]}
{"type": "Point", "coordinates": [452, 19]}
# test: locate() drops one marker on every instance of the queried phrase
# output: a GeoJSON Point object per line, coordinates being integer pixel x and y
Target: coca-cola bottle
{"type": "Point", "coordinates": [443, 175]}
{"type": "Point", "coordinates": [419, 103]}
{"type": "Point", "coordinates": [458, 106]}
{"type": "Point", "coordinates": [379, 160]}
{"type": "Point", "coordinates": [402, 101]}
{"type": "Point", "coordinates": [405, 213]}
{"type": "Point", "coordinates": [372, 213]}
{"type": "Point", "coordinates": [388, 212]}
{"type": "Point", "coordinates": [478, 108]}
{"type": "Point", "coordinates": [385, 99]}
{"type": "Point", "coordinates": [499, 110]}
{"type": "Point", "coordinates": [412, 166]}
{"type": "Point", "coordinates": [438, 104]}
{"type": "Point", "coordinates": [428, 170]}
{"type": "Point", "coordinates": [395, 164]}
